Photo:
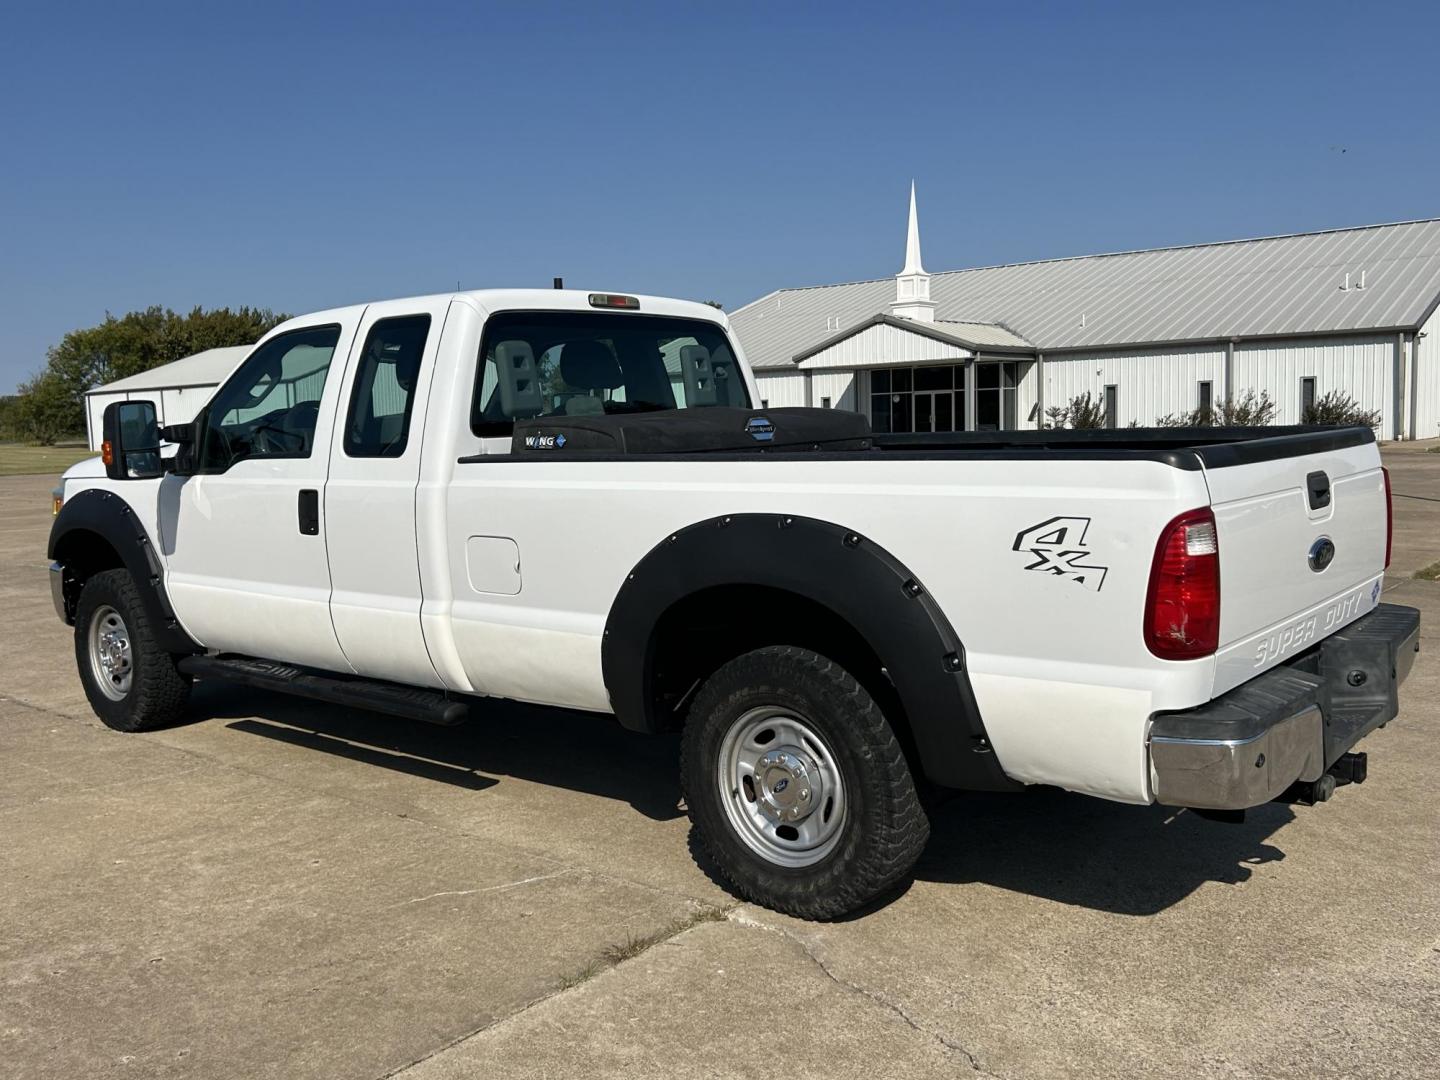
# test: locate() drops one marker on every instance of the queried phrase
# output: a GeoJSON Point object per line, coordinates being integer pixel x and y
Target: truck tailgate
{"type": "Point", "coordinates": [1302, 531]}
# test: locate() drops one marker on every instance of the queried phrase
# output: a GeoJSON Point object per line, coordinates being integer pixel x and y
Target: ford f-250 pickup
{"type": "Point", "coordinates": [574, 499]}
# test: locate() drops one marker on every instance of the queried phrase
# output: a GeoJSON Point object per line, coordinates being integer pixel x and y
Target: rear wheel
{"type": "Point", "coordinates": [797, 786]}
{"type": "Point", "coordinates": [132, 683]}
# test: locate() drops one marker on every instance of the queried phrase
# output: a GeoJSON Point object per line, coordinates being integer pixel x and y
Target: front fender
{"type": "Point", "coordinates": [88, 527]}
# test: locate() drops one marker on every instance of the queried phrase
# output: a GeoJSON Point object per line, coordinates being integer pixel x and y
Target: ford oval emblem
{"type": "Point", "coordinates": [1322, 554]}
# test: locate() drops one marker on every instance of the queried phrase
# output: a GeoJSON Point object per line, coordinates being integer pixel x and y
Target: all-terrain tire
{"type": "Point", "coordinates": [885, 828]}
{"type": "Point", "coordinates": [157, 691]}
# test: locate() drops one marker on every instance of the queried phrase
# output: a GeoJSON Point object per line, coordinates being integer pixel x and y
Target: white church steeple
{"type": "Point", "coordinates": [912, 284]}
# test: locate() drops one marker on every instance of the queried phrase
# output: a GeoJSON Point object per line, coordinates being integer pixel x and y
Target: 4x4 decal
{"type": "Point", "coordinates": [1058, 547]}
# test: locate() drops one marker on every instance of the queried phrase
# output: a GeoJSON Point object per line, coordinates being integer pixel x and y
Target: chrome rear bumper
{"type": "Point", "coordinates": [1291, 723]}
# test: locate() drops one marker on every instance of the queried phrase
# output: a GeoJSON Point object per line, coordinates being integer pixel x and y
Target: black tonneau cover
{"type": "Point", "coordinates": [691, 431]}
{"type": "Point", "coordinates": [1213, 447]}
{"type": "Point", "coordinates": [720, 433]}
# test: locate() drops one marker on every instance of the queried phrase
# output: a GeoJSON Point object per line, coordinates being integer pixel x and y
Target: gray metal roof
{"type": "Point", "coordinates": [973, 336]}
{"type": "Point", "coordinates": [1271, 287]}
{"type": "Point", "coordinates": [982, 334]}
{"type": "Point", "coordinates": [208, 368]}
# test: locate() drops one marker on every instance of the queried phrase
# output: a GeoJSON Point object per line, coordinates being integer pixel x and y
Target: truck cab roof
{"type": "Point", "coordinates": [488, 300]}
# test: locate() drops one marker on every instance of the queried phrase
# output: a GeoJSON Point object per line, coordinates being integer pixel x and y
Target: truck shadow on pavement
{"type": "Point", "coordinates": [578, 751]}
{"type": "Point", "coordinates": [1074, 849]}
{"type": "Point", "coordinates": [1052, 844]}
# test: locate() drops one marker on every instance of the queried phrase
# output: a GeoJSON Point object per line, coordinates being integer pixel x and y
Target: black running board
{"type": "Point", "coordinates": [413, 703]}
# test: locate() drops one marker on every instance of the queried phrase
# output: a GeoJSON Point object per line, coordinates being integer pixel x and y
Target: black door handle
{"type": "Point", "coordinates": [309, 512]}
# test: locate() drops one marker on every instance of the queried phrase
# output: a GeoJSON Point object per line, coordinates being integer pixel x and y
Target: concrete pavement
{"type": "Point", "coordinates": [284, 889]}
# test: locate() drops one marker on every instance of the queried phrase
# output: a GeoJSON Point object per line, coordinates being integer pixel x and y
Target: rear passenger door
{"type": "Point", "coordinates": [370, 493]}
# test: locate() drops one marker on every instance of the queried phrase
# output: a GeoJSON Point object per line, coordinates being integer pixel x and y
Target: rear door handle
{"type": "Point", "coordinates": [309, 511]}
{"type": "Point", "coordinates": [1317, 488]}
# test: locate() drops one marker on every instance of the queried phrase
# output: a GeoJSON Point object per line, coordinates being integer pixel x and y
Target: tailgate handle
{"type": "Point", "coordinates": [1317, 487]}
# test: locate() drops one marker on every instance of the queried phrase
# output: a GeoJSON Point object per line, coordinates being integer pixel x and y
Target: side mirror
{"type": "Point", "coordinates": [131, 446]}
{"type": "Point", "coordinates": [186, 438]}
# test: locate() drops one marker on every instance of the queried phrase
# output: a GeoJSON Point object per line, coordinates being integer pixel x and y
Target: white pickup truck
{"type": "Point", "coordinates": [573, 499]}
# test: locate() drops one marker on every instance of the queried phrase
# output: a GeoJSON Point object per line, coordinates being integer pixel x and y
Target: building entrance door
{"type": "Point", "coordinates": [935, 410]}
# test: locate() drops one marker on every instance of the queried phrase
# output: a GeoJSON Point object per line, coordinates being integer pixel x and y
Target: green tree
{"type": "Point", "coordinates": [42, 411]}
{"type": "Point", "coordinates": [139, 341]}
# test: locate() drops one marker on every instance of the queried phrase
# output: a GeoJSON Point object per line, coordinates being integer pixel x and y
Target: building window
{"type": "Point", "coordinates": [824, 403]}
{"type": "Point", "coordinates": [933, 399]}
{"type": "Point", "coordinates": [1112, 406]}
{"type": "Point", "coordinates": [995, 396]}
{"type": "Point", "coordinates": [1206, 400]}
{"type": "Point", "coordinates": [891, 406]}
{"type": "Point", "coordinates": [1307, 396]}
{"type": "Point", "coordinates": [924, 399]}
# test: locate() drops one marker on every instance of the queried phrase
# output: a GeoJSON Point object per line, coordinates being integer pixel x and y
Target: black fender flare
{"type": "Point", "coordinates": [838, 568]}
{"type": "Point", "coordinates": [110, 517]}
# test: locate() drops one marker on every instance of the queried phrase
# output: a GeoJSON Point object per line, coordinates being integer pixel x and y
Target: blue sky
{"type": "Point", "coordinates": [302, 156]}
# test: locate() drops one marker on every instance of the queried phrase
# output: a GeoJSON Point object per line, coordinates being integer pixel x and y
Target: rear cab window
{"type": "Point", "coordinates": [383, 395]}
{"type": "Point", "coordinates": [562, 363]}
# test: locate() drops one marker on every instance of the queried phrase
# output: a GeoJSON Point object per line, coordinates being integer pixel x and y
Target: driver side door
{"type": "Point", "coordinates": [244, 538]}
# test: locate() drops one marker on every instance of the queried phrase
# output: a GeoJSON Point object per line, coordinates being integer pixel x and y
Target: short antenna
{"type": "Point", "coordinates": [559, 282]}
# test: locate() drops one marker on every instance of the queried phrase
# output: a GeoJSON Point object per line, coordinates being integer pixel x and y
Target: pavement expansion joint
{"type": "Point", "coordinates": [609, 958]}
{"type": "Point", "coordinates": [743, 919]}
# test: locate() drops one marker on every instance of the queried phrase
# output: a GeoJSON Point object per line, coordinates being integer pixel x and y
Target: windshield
{"type": "Point", "coordinates": [561, 363]}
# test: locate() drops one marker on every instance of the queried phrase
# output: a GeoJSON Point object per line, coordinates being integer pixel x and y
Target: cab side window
{"type": "Point", "coordinates": [378, 424]}
{"type": "Point", "coordinates": [269, 406]}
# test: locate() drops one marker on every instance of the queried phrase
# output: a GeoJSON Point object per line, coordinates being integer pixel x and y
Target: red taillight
{"type": "Point", "coordinates": [1182, 608]}
{"type": "Point", "coordinates": [1389, 516]}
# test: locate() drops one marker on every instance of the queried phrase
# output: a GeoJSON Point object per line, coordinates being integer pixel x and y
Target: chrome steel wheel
{"type": "Point", "coordinates": [781, 787]}
{"type": "Point", "coordinates": [111, 660]}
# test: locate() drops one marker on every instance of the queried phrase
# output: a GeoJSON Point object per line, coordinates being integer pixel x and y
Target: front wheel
{"type": "Point", "coordinates": [797, 786]}
{"type": "Point", "coordinates": [132, 683]}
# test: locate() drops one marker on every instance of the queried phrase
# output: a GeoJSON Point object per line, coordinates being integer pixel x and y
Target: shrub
{"type": "Point", "coordinates": [1340, 409]}
{"type": "Point", "coordinates": [1080, 412]}
{"type": "Point", "coordinates": [1248, 410]}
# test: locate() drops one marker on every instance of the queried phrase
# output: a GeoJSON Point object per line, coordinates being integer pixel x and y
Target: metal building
{"type": "Point", "coordinates": [1146, 333]}
{"type": "Point", "coordinates": [179, 389]}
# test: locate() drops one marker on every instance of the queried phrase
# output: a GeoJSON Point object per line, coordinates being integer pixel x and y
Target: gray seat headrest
{"type": "Point", "coordinates": [588, 364]}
